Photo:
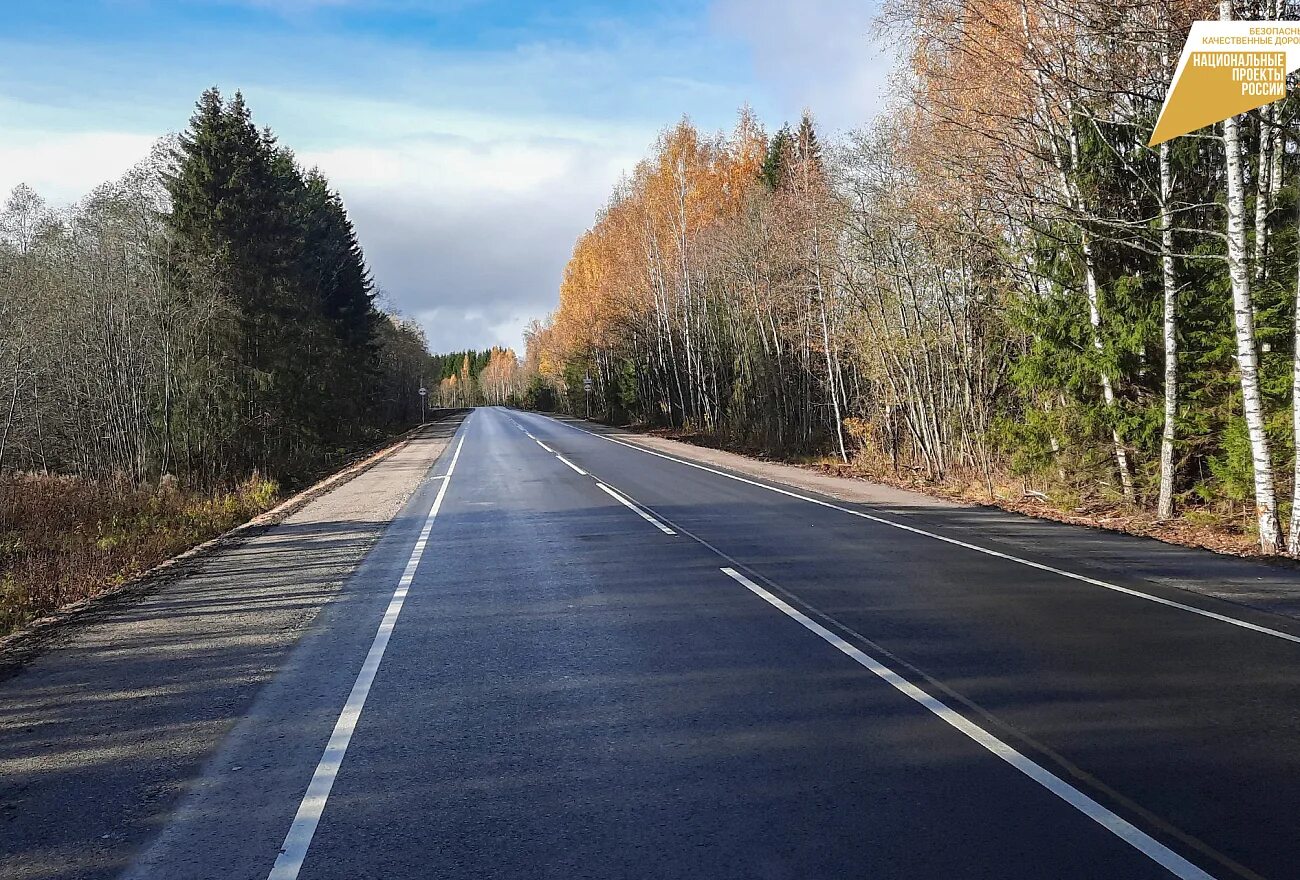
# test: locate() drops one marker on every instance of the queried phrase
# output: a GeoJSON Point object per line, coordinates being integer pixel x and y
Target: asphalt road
{"type": "Point", "coordinates": [570, 656]}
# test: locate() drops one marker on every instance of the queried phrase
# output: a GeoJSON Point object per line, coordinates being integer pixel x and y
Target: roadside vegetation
{"type": "Point", "coordinates": [176, 347]}
{"type": "Point", "coordinates": [67, 538]}
{"type": "Point", "coordinates": [996, 290]}
{"type": "Point", "coordinates": [491, 377]}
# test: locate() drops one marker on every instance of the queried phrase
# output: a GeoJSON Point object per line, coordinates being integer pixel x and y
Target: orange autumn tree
{"type": "Point", "coordinates": [986, 284]}
{"type": "Point", "coordinates": [502, 379]}
{"type": "Point", "coordinates": [637, 308]}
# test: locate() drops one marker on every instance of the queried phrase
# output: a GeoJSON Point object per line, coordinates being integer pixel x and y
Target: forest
{"type": "Point", "coordinates": [208, 315]}
{"type": "Point", "coordinates": [175, 349]}
{"type": "Point", "coordinates": [490, 377]}
{"type": "Point", "coordinates": [996, 289]}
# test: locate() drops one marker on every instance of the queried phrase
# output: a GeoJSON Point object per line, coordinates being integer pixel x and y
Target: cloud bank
{"type": "Point", "coordinates": [472, 141]}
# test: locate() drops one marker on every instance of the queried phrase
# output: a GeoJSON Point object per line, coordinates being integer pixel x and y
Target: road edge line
{"type": "Point", "coordinates": [293, 852]}
{"type": "Point", "coordinates": [1096, 582]}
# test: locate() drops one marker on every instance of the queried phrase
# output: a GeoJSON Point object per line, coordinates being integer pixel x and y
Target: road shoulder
{"type": "Point", "coordinates": [1094, 552]}
{"type": "Point", "coordinates": [19, 647]}
{"type": "Point", "coordinates": [105, 730]}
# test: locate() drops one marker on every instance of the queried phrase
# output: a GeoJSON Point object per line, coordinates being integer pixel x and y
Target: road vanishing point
{"type": "Point", "coordinates": [530, 647]}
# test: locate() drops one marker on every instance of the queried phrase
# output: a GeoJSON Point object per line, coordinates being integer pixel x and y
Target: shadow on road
{"type": "Point", "coordinates": [102, 730]}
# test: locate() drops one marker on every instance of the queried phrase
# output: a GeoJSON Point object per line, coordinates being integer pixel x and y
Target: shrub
{"type": "Point", "coordinates": [63, 539]}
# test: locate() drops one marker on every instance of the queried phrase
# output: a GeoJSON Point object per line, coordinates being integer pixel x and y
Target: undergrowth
{"type": "Point", "coordinates": [63, 539]}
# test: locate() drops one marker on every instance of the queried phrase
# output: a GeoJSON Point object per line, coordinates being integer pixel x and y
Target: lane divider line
{"type": "Point", "coordinates": [1096, 582]}
{"type": "Point", "coordinates": [1197, 874]}
{"type": "Point", "coordinates": [296, 843]}
{"type": "Point", "coordinates": [625, 501]}
{"type": "Point", "coordinates": [571, 464]}
{"type": "Point", "coordinates": [1121, 828]}
{"type": "Point", "coordinates": [635, 508]}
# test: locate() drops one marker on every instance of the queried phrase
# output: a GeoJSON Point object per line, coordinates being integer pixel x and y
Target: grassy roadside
{"type": "Point", "coordinates": [1221, 528]}
{"type": "Point", "coordinates": [63, 539]}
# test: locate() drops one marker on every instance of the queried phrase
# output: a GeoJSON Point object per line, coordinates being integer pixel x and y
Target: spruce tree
{"type": "Point", "coordinates": [806, 146]}
{"type": "Point", "coordinates": [776, 165]}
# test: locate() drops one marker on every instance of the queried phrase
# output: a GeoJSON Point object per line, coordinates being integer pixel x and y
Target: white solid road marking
{"type": "Point", "coordinates": [570, 464]}
{"type": "Point", "coordinates": [298, 840]}
{"type": "Point", "coordinates": [635, 508]}
{"type": "Point", "coordinates": [1124, 830]}
{"type": "Point", "coordinates": [1222, 618]}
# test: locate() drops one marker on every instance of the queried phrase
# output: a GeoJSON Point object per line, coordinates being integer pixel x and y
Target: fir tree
{"type": "Point", "coordinates": [780, 157]}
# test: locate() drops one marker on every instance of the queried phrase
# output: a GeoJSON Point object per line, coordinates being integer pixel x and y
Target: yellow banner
{"type": "Point", "coordinates": [1227, 68]}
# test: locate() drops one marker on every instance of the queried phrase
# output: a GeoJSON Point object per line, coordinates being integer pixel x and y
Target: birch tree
{"type": "Point", "coordinates": [1266, 512]}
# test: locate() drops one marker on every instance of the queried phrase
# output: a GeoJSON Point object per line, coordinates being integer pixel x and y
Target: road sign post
{"type": "Point", "coordinates": [586, 390]}
{"type": "Point", "coordinates": [424, 399]}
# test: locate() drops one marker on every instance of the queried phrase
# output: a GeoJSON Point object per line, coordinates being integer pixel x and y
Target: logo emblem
{"type": "Point", "coordinates": [1227, 68]}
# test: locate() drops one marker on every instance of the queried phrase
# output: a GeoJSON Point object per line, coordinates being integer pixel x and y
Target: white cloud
{"type": "Point", "coordinates": [468, 172]}
{"type": "Point", "coordinates": [474, 212]}
{"type": "Point", "coordinates": [481, 229]}
{"type": "Point", "coordinates": [453, 168]}
{"type": "Point", "coordinates": [467, 218]}
{"type": "Point", "coordinates": [819, 54]}
{"type": "Point", "coordinates": [64, 166]}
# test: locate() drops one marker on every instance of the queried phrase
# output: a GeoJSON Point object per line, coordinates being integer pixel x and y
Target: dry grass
{"type": "Point", "coordinates": [1207, 526]}
{"type": "Point", "coordinates": [63, 539]}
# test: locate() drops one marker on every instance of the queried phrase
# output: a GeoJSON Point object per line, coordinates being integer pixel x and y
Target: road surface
{"type": "Point", "coordinates": [573, 656]}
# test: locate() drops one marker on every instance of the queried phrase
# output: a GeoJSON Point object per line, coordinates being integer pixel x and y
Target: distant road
{"type": "Point", "coordinates": [570, 656]}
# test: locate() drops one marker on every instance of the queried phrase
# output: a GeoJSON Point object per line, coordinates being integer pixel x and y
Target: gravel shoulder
{"type": "Point", "coordinates": [1095, 552]}
{"type": "Point", "coordinates": [102, 730]}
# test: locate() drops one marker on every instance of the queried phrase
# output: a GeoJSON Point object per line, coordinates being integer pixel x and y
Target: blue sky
{"type": "Point", "coordinates": [472, 141]}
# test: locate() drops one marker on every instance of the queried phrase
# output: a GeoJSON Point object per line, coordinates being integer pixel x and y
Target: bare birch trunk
{"type": "Point", "coordinates": [1107, 388]}
{"type": "Point", "coordinates": [1293, 533]}
{"type": "Point", "coordinates": [13, 403]}
{"type": "Point", "coordinates": [1263, 190]}
{"type": "Point", "coordinates": [1244, 320]}
{"type": "Point", "coordinates": [1094, 307]}
{"type": "Point", "coordinates": [1165, 508]}
{"type": "Point", "coordinates": [826, 344]}
{"type": "Point", "coordinates": [830, 381]}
